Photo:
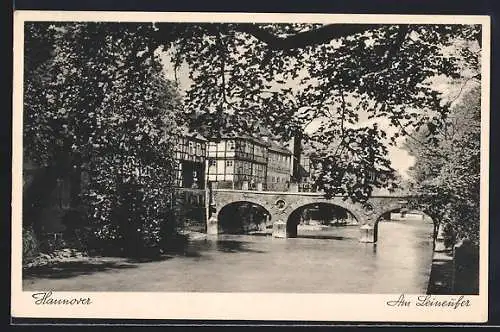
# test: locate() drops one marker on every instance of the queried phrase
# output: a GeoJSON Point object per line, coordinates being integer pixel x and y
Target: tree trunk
{"type": "Point", "coordinates": [297, 151]}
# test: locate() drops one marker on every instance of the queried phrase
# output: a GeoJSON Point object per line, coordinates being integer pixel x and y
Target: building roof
{"type": "Point", "coordinates": [233, 136]}
{"type": "Point", "coordinates": [262, 137]}
{"type": "Point", "coordinates": [191, 134]}
{"type": "Point", "coordinates": [278, 148]}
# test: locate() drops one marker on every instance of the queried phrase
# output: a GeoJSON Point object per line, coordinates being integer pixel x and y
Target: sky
{"type": "Point", "coordinates": [401, 160]}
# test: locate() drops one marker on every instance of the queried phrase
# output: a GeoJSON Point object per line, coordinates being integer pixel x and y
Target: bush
{"type": "Point", "coordinates": [130, 221]}
{"type": "Point", "coordinates": [75, 229]}
{"type": "Point", "coordinates": [30, 245]}
{"type": "Point", "coordinates": [120, 137]}
{"type": "Point", "coordinates": [51, 242]}
{"type": "Point", "coordinates": [449, 236]}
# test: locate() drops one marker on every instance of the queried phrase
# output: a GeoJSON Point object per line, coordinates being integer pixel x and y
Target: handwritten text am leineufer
{"type": "Point", "coordinates": [452, 302]}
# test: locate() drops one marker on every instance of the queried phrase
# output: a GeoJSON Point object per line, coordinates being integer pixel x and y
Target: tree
{"type": "Point", "coordinates": [281, 76]}
{"type": "Point", "coordinates": [285, 75]}
{"type": "Point", "coordinates": [96, 102]}
{"type": "Point", "coordinates": [447, 182]}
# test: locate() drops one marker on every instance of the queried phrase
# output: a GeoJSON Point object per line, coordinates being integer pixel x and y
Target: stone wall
{"type": "Point", "coordinates": [466, 268]}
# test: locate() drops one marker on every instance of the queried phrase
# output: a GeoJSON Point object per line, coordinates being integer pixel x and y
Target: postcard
{"type": "Point", "coordinates": [250, 166]}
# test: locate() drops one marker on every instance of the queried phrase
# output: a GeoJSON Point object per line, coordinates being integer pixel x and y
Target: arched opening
{"type": "Point", "coordinates": [403, 221]}
{"type": "Point", "coordinates": [319, 220]}
{"type": "Point", "coordinates": [242, 218]}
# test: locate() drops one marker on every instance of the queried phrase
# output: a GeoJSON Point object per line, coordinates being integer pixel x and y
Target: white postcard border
{"type": "Point", "coordinates": [242, 306]}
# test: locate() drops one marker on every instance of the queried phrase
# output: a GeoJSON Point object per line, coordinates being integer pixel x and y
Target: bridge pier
{"type": "Point", "coordinates": [212, 225]}
{"type": "Point", "coordinates": [279, 229]}
{"type": "Point", "coordinates": [368, 233]}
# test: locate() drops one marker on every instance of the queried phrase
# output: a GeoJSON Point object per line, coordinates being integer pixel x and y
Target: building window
{"type": "Point", "coordinates": [191, 148]}
{"type": "Point", "coordinates": [229, 163]}
{"type": "Point", "coordinates": [212, 162]}
{"type": "Point", "coordinates": [230, 145]}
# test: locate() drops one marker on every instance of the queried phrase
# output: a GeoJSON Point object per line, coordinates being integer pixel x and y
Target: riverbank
{"type": "Point", "coordinates": [441, 278]}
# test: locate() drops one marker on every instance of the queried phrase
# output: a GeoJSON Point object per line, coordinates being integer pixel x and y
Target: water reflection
{"type": "Point", "coordinates": [234, 246]}
{"type": "Point", "coordinates": [320, 236]}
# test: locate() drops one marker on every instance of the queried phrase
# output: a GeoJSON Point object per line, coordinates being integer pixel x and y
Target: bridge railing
{"type": "Point", "coordinates": [314, 194]}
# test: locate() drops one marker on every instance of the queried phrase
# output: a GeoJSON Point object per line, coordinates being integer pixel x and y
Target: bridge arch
{"type": "Point", "coordinates": [241, 216]}
{"type": "Point", "coordinates": [328, 211]}
{"type": "Point", "coordinates": [280, 205]}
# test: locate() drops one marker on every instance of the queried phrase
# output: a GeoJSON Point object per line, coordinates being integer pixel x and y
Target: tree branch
{"type": "Point", "coordinates": [317, 36]}
{"type": "Point", "coordinates": [222, 49]}
{"type": "Point", "coordinates": [343, 112]}
{"type": "Point", "coordinates": [462, 87]}
{"type": "Point", "coordinates": [432, 151]}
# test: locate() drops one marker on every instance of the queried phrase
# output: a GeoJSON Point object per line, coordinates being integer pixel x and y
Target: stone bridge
{"type": "Point", "coordinates": [280, 206]}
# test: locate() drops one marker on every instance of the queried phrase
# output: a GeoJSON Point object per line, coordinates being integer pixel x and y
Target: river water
{"type": "Point", "coordinates": [321, 261]}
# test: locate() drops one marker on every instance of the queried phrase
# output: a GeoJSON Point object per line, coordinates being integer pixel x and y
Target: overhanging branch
{"type": "Point", "coordinates": [317, 36]}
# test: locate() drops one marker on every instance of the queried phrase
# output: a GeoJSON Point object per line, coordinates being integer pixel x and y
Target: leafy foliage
{"type": "Point", "coordinates": [97, 103]}
{"type": "Point", "coordinates": [30, 244]}
{"type": "Point", "coordinates": [351, 77]}
{"type": "Point", "coordinates": [447, 177]}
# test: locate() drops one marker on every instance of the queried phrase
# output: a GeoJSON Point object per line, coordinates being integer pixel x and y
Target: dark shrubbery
{"type": "Point", "coordinates": [138, 223]}
{"type": "Point", "coordinates": [449, 236]}
{"type": "Point", "coordinates": [30, 245]}
{"type": "Point", "coordinates": [97, 106]}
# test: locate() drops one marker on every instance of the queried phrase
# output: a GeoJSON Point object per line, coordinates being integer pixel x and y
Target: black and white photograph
{"type": "Point", "coordinates": [239, 155]}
